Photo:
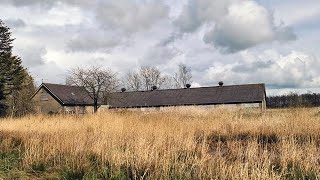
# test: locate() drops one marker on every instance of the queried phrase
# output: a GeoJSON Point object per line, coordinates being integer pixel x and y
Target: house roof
{"type": "Point", "coordinates": [234, 94]}
{"type": "Point", "coordinates": [68, 95]}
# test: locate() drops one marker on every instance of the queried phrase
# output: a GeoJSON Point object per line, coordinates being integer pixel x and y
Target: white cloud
{"type": "Point", "coordinates": [237, 25]}
{"type": "Point", "coordinates": [296, 12]}
{"type": "Point", "coordinates": [293, 70]}
{"type": "Point", "coordinates": [48, 72]}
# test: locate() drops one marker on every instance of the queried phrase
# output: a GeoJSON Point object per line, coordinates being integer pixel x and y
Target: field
{"type": "Point", "coordinates": [179, 144]}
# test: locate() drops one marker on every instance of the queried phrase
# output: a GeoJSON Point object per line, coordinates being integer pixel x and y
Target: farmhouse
{"type": "Point", "coordinates": [248, 95]}
{"type": "Point", "coordinates": [55, 98]}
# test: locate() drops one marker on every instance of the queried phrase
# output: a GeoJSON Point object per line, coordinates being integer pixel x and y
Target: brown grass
{"type": "Point", "coordinates": [179, 144]}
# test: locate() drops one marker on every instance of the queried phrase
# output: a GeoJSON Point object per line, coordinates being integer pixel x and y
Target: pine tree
{"type": "Point", "coordinates": [13, 76]}
{"type": "Point", "coordinates": [5, 53]}
{"type": "Point", "coordinates": [5, 39]}
{"type": "Point", "coordinates": [2, 106]}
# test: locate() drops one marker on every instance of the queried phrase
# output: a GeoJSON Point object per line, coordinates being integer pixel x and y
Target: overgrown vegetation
{"type": "Point", "coordinates": [179, 144]}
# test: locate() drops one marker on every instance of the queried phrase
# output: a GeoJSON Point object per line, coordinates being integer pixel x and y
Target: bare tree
{"type": "Point", "coordinates": [151, 76]}
{"type": "Point", "coordinates": [183, 76]}
{"type": "Point", "coordinates": [96, 80]}
{"type": "Point", "coordinates": [167, 82]}
{"type": "Point", "coordinates": [146, 77]}
{"type": "Point", "coordinates": [133, 81]}
{"type": "Point", "coordinates": [69, 80]}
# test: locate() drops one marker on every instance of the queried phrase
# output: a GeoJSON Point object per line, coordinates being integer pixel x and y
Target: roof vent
{"type": "Point", "coordinates": [153, 88]}
{"type": "Point", "coordinates": [221, 83]}
{"type": "Point", "coordinates": [123, 89]}
{"type": "Point", "coordinates": [188, 86]}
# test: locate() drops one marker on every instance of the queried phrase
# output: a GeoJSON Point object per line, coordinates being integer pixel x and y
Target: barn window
{"type": "Point", "coordinates": [44, 95]}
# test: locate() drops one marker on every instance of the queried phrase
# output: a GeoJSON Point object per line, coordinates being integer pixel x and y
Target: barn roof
{"type": "Point", "coordinates": [68, 95]}
{"type": "Point", "coordinates": [234, 94]}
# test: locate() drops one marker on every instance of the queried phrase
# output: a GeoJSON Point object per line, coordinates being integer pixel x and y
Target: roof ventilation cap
{"type": "Point", "coordinates": [123, 89]}
{"type": "Point", "coordinates": [153, 88]}
{"type": "Point", "coordinates": [188, 86]}
{"type": "Point", "coordinates": [221, 83]}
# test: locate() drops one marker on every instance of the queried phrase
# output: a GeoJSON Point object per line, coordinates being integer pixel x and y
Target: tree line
{"type": "Point", "coordinates": [294, 100]}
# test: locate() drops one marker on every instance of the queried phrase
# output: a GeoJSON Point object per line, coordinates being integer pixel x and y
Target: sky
{"type": "Point", "coordinates": [235, 41]}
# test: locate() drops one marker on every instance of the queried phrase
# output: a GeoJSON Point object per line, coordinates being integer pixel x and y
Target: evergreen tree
{"type": "Point", "coordinates": [13, 76]}
{"type": "Point", "coordinates": [5, 39]}
{"type": "Point", "coordinates": [2, 106]}
{"type": "Point", "coordinates": [5, 53]}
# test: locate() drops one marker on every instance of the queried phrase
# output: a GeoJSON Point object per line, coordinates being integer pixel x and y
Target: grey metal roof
{"type": "Point", "coordinates": [248, 93]}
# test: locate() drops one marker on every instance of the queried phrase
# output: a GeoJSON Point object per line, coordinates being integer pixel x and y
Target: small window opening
{"type": "Point", "coordinates": [44, 95]}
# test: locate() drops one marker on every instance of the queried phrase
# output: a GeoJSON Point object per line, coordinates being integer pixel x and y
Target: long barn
{"type": "Point", "coordinates": [56, 98]}
{"type": "Point", "coordinates": [248, 95]}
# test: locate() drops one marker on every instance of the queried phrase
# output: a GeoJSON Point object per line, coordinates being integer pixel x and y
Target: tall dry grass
{"type": "Point", "coordinates": [179, 144]}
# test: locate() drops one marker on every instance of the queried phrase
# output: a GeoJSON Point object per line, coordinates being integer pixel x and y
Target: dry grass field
{"type": "Point", "coordinates": [182, 144]}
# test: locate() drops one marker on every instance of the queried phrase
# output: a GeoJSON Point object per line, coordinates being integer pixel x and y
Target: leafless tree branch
{"type": "Point", "coordinates": [96, 80]}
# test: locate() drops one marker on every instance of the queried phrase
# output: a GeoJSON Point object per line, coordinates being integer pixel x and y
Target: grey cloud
{"type": "Point", "coordinates": [158, 55]}
{"type": "Point", "coordinates": [188, 20]}
{"type": "Point", "coordinates": [284, 34]}
{"type": "Point", "coordinates": [32, 56]}
{"type": "Point", "coordinates": [229, 40]}
{"type": "Point", "coordinates": [47, 4]}
{"type": "Point", "coordinates": [21, 3]}
{"type": "Point", "coordinates": [198, 12]}
{"type": "Point", "coordinates": [238, 25]}
{"type": "Point", "coordinates": [130, 16]}
{"type": "Point", "coordinates": [15, 23]}
{"type": "Point", "coordinates": [93, 40]}
{"type": "Point", "coordinates": [252, 67]}
{"type": "Point", "coordinates": [170, 39]}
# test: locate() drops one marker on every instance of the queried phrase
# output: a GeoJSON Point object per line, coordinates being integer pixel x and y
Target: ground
{"type": "Point", "coordinates": [183, 144]}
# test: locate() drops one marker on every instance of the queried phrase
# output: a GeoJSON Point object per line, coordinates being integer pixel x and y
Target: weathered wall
{"type": "Point", "coordinates": [103, 108]}
{"type": "Point", "coordinates": [264, 103]}
{"type": "Point", "coordinates": [89, 109]}
{"type": "Point", "coordinates": [46, 106]}
{"type": "Point", "coordinates": [226, 106]}
{"type": "Point", "coordinates": [77, 109]}
{"type": "Point", "coordinates": [51, 105]}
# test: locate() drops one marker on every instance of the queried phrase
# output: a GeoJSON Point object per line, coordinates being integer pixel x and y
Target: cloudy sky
{"type": "Point", "coordinates": [236, 41]}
